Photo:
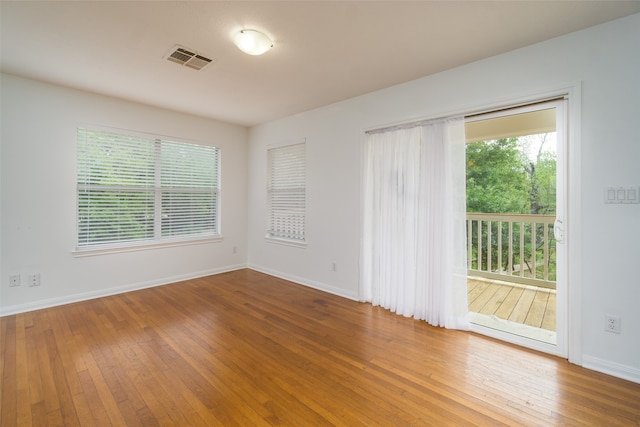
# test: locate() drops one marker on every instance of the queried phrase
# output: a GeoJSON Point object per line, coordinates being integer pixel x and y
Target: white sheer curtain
{"type": "Point", "coordinates": [413, 247]}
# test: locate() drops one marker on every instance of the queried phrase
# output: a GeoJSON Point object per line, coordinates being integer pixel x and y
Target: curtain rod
{"type": "Point", "coordinates": [410, 125]}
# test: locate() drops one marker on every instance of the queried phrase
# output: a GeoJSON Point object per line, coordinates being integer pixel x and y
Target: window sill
{"type": "Point", "coordinates": [286, 242]}
{"type": "Point", "coordinates": [104, 250]}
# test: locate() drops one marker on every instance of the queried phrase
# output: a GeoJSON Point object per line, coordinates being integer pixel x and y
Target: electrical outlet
{"type": "Point", "coordinates": [612, 323]}
{"type": "Point", "coordinates": [334, 267]}
{"type": "Point", "coordinates": [34, 279]}
{"type": "Point", "coordinates": [14, 280]}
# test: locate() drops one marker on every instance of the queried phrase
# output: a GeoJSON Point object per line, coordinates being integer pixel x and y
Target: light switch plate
{"type": "Point", "coordinates": [622, 195]}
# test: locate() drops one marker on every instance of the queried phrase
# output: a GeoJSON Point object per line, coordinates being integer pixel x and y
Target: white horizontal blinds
{"type": "Point", "coordinates": [135, 189]}
{"type": "Point", "coordinates": [286, 192]}
{"type": "Point", "coordinates": [115, 188]}
{"type": "Point", "coordinates": [189, 182]}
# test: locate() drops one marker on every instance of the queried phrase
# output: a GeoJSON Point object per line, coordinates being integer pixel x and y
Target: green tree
{"type": "Point", "coordinates": [541, 173]}
{"type": "Point", "coordinates": [546, 179]}
{"type": "Point", "coordinates": [502, 178]}
{"type": "Point", "coordinates": [497, 180]}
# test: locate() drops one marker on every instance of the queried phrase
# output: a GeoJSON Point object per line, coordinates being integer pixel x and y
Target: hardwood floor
{"type": "Point", "coordinates": [244, 348]}
{"type": "Point", "coordinates": [523, 304]}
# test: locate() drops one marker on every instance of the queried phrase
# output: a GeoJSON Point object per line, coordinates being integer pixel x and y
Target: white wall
{"type": "Point", "coordinates": [38, 145]}
{"type": "Point", "coordinates": [603, 59]}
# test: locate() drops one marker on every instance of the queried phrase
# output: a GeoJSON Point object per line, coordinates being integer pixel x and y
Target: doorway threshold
{"type": "Point", "coordinates": [506, 326]}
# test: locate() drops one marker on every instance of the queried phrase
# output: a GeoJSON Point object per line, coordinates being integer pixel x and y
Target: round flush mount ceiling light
{"type": "Point", "coordinates": [252, 42]}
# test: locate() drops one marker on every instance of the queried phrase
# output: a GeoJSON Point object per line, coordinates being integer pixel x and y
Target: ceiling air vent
{"type": "Point", "coordinates": [188, 58]}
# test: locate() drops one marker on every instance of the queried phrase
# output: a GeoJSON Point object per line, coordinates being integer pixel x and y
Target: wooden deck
{"type": "Point", "coordinates": [524, 304]}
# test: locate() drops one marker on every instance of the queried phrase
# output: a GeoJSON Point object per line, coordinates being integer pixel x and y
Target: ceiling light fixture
{"type": "Point", "coordinates": [252, 42]}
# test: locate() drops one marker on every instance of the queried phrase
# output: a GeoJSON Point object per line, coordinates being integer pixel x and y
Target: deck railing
{"type": "Point", "coordinates": [513, 248]}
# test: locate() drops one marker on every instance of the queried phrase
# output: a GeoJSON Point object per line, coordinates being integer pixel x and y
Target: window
{"type": "Point", "coordinates": [286, 193]}
{"type": "Point", "coordinates": [139, 190]}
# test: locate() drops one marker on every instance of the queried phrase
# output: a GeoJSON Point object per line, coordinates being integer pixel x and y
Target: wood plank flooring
{"type": "Point", "coordinates": [244, 349]}
{"type": "Point", "coordinates": [528, 305]}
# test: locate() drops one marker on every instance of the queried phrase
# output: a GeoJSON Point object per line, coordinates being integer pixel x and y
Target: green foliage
{"type": "Point", "coordinates": [496, 177]}
{"type": "Point", "coordinates": [546, 177]}
{"type": "Point", "coordinates": [502, 179]}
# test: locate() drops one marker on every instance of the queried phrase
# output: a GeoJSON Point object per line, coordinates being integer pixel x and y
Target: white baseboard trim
{"type": "Point", "coordinates": [53, 302]}
{"type": "Point", "coordinates": [305, 282]}
{"type": "Point", "coordinates": [611, 368]}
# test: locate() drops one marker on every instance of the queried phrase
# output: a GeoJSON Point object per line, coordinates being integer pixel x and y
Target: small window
{"type": "Point", "coordinates": [134, 189]}
{"type": "Point", "coordinates": [286, 192]}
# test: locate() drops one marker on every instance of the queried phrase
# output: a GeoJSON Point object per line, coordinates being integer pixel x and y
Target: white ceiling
{"type": "Point", "coordinates": [325, 51]}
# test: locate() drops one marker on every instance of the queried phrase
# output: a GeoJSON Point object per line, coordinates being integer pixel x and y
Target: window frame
{"type": "Point", "coordinates": [156, 192]}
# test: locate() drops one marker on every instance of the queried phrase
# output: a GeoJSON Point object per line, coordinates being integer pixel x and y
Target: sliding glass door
{"type": "Point", "coordinates": [516, 205]}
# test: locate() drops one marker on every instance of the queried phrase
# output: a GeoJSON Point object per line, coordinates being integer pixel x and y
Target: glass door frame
{"type": "Point", "coordinates": [560, 347]}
